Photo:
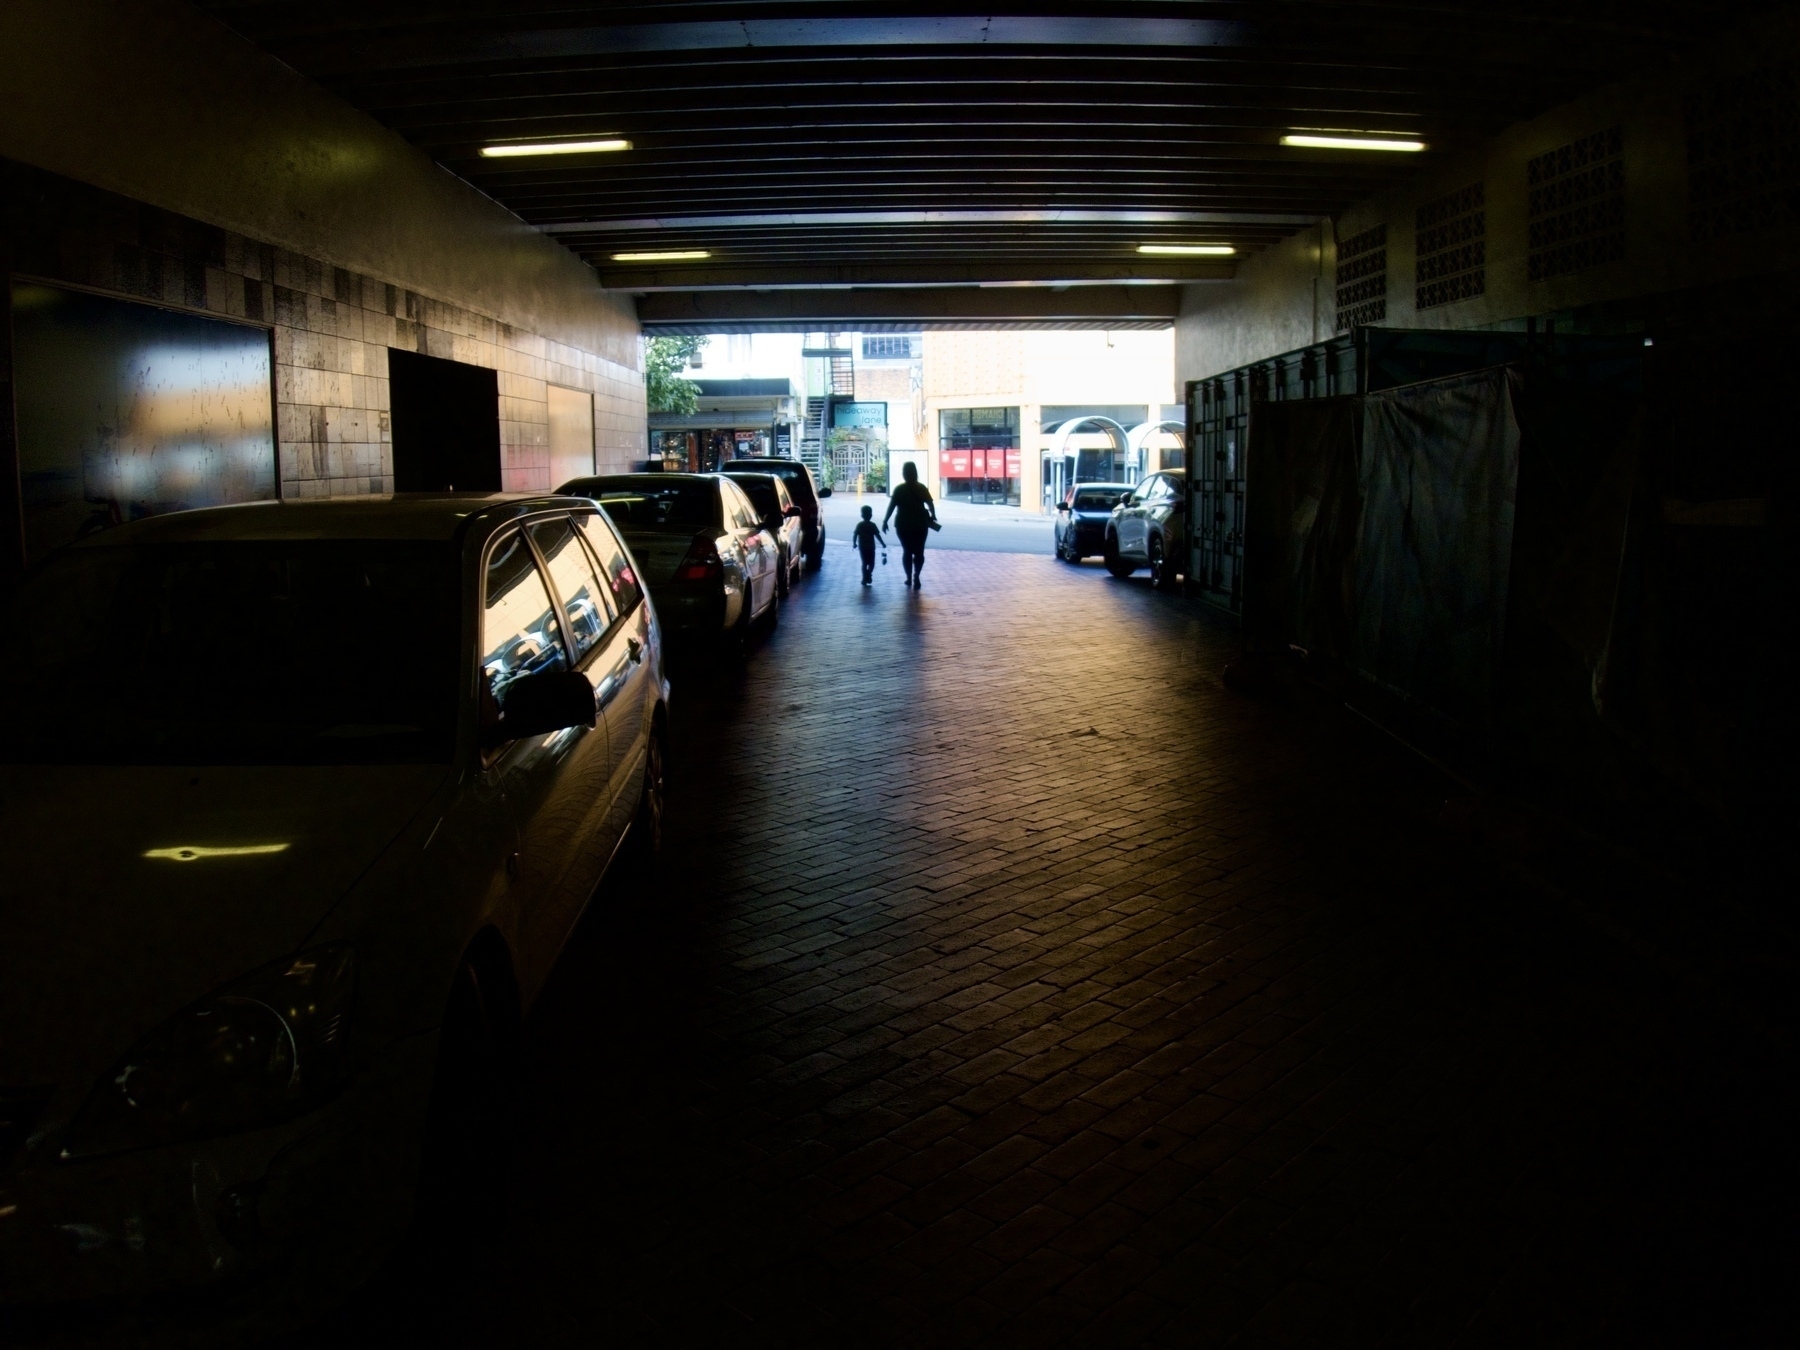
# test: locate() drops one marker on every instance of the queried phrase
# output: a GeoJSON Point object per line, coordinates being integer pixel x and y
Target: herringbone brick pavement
{"type": "Point", "coordinates": [1015, 984]}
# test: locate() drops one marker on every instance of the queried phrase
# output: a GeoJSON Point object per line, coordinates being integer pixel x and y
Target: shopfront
{"type": "Point", "coordinates": [709, 449]}
{"type": "Point", "coordinates": [978, 455]}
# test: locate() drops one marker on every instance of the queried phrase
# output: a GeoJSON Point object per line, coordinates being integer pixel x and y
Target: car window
{"type": "Point", "coordinates": [519, 631]}
{"type": "Point", "coordinates": [680, 506]}
{"type": "Point", "coordinates": [1096, 501]}
{"type": "Point", "coordinates": [615, 564]}
{"type": "Point", "coordinates": [737, 506]}
{"type": "Point", "coordinates": [799, 484]}
{"type": "Point", "coordinates": [1141, 493]}
{"type": "Point", "coordinates": [126, 654]}
{"type": "Point", "coordinates": [586, 603]}
{"type": "Point", "coordinates": [1159, 489]}
{"type": "Point", "coordinates": [761, 492]}
{"type": "Point", "coordinates": [783, 498]}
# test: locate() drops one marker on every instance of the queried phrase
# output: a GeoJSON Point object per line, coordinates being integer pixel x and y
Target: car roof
{"type": "Point", "coordinates": [420, 516]}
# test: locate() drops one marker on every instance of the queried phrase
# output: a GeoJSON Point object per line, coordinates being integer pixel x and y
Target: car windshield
{"type": "Point", "coordinates": [1096, 501]}
{"type": "Point", "coordinates": [681, 506]}
{"type": "Point", "coordinates": [238, 652]}
{"type": "Point", "coordinates": [760, 489]}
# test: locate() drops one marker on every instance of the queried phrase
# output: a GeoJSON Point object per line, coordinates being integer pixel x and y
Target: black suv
{"type": "Point", "coordinates": [799, 482]}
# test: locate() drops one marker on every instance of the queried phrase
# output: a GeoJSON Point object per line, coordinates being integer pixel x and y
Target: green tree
{"type": "Point", "coordinates": [664, 360]}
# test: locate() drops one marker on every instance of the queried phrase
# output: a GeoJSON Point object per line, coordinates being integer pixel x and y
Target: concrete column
{"type": "Point", "coordinates": [1031, 459]}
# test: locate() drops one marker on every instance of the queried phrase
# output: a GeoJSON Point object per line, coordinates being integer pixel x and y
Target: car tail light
{"type": "Point", "coordinates": [702, 562]}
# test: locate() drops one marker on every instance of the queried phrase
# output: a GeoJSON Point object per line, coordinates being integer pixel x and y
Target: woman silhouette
{"type": "Point", "coordinates": [911, 503]}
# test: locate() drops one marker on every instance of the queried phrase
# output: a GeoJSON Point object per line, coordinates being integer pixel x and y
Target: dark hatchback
{"type": "Point", "coordinates": [1081, 518]}
{"type": "Point", "coordinates": [798, 480]}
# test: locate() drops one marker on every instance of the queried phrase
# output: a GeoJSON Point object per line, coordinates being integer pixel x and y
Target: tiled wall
{"type": "Point", "coordinates": [332, 330]}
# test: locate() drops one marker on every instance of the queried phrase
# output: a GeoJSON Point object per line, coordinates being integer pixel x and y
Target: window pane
{"type": "Point", "coordinates": [519, 632]}
{"type": "Point", "coordinates": [615, 566]}
{"type": "Point", "coordinates": [585, 601]}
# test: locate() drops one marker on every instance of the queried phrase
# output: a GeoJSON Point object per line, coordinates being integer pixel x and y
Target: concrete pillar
{"type": "Point", "coordinates": [1031, 459]}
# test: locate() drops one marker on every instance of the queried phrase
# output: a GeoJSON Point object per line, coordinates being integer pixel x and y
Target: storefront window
{"type": "Point", "coordinates": [978, 454]}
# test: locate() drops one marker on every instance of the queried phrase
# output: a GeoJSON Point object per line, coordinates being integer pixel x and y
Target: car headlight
{"type": "Point", "coordinates": [260, 1051]}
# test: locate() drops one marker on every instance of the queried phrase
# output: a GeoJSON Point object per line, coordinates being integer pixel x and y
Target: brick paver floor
{"type": "Point", "coordinates": [1016, 984]}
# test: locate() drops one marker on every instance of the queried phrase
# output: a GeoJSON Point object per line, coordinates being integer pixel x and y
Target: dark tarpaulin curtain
{"type": "Point", "coordinates": [1439, 470]}
{"type": "Point", "coordinates": [1302, 508]}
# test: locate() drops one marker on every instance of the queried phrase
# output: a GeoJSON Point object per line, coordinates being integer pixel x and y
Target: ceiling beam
{"type": "Point", "coordinates": [478, 43]}
{"type": "Point", "coordinates": [996, 272]}
{"type": "Point", "coordinates": [1039, 217]}
{"type": "Point", "coordinates": [703, 311]}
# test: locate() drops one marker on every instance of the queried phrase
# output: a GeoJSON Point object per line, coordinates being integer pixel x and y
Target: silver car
{"type": "Point", "coordinates": [300, 803]}
{"type": "Point", "coordinates": [708, 559]}
{"type": "Point", "coordinates": [1148, 528]}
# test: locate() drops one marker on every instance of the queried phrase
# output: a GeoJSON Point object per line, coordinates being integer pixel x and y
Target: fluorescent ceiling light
{"type": "Point", "coordinates": [1351, 143]}
{"type": "Point", "coordinates": [670, 255]}
{"type": "Point", "coordinates": [553, 148]}
{"type": "Point", "coordinates": [1190, 250]}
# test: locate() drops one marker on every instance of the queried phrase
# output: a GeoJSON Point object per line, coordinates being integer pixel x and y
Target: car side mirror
{"type": "Point", "coordinates": [824, 492]}
{"type": "Point", "coordinates": [1062, 506]}
{"type": "Point", "coordinates": [550, 700]}
{"type": "Point", "coordinates": [791, 512]}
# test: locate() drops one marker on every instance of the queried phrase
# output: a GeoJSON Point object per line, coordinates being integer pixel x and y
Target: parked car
{"type": "Point", "coordinates": [799, 482]}
{"type": "Point", "coordinates": [269, 909]}
{"type": "Point", "coordinates": [1081, 516]}
{"type": "Point", "coordinates": [705, 556]}
{"type": "Point", "coordinates": [1149, 529]}
{"type": "Point", "coordinates": [780, 517]}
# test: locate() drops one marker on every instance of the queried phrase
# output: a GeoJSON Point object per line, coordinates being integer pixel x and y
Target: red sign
{"type": "Point", "coordinates": [1012, 464]}
{"type": "Point", "coordinates": [978, 464]}
{"type": "Point", "coordinates": [953, 463]}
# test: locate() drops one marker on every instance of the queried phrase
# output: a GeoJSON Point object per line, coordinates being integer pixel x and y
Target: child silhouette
{"type": "Point", "coordinates": [864, 537]}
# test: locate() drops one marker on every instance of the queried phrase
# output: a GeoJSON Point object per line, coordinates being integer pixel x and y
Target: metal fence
{"type": "Point", "coordinates": [1359, 362]}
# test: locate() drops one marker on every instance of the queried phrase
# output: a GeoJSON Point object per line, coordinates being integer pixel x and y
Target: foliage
{"type": "Point", "coordinates": [858, 455]}
{"type": "Point", "coordinates": [664, 360]}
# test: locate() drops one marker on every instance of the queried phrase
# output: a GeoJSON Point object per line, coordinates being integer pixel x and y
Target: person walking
{"type": "Point", "coordinates": [914, 513]}
{"type": "Point", "coordinates": [865, 536]}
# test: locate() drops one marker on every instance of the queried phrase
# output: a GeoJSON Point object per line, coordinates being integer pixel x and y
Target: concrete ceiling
{"type": "Point", "coordinates": [831, 145]}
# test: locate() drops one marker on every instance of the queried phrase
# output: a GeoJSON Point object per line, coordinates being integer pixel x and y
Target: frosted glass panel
{"type": "Point", "coordinates": [127, 410]}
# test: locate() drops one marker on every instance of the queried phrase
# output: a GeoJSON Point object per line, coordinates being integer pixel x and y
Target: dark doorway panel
{"type": "Point", "coordinates": [446, 424]}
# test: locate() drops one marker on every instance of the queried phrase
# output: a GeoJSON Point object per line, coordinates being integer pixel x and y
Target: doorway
{"type": "Point", "coordinates": [571, 435]}
{"type": "Point", "coordinates": [446, 422]}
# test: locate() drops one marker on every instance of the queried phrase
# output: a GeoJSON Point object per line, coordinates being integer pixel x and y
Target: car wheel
{"type": "Point", "coordinates": [1118, 566]}
{"type": "Point", "coordinates": [735, 642]}
{"type": "Point", "coordinates": [1072, 549]}
{"type": "Point", "coordinates": [461, 1184]}
{"type": "Point", "coordinates": [1162, 574]}
{"type": "Point", "coordinates": [772, 614]}
{"type": "Point", "coordinates": [784, 577]}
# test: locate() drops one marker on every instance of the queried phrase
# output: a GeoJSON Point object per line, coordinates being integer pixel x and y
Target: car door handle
{"type": "Point", "coordinates": [637, 651]}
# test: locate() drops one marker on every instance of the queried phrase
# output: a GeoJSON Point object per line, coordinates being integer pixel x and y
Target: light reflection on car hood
{"type": "Point", "coordinates": [99, 942]}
